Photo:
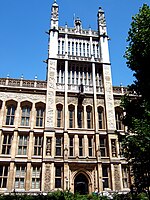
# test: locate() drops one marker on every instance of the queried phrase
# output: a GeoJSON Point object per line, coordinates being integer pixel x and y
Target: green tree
{"type": "Point", "coordinates": [136, 142]}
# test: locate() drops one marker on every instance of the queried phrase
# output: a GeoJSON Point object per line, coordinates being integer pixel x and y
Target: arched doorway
{"type": "Point", "coordinates": [81, 184]}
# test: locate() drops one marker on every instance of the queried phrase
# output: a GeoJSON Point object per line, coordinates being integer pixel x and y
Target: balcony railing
{"type": "Point", "coordinates": [22, 83]}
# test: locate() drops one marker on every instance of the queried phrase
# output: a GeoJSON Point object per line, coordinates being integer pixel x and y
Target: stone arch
{"type": "Point", "coordinates": [82, 182]}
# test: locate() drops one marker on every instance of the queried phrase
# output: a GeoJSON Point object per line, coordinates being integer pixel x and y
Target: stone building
{"type": "Point", "coordinates": [61, 133]}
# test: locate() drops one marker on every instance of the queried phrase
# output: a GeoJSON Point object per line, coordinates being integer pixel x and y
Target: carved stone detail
{"type": "Point", "coordinates": [47, 178]}
{"type": "Point", "coordinates": [22, 97]}
{"type": "Point", "coordinates": [51, 94]}
{"type": "Point", "coordinates": [109, 98]}
{"type": "Point", "coordinates": [117, 177]}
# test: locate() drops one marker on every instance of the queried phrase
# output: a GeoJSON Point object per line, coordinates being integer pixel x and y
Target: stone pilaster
{"type": "Point", "coordinates": [10, 181]}
{"type": "Point", "coordinates": [31, 145]}
{"type": "Point", "coordinates": [14, 144]}
{"type": "Point", "coordinates": [28, 177]}
{"type": "Point", "coordinates": [109, 101]}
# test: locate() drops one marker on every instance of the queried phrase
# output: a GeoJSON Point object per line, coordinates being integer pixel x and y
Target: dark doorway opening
{"type": "Point", "coordinates": [81, 184]}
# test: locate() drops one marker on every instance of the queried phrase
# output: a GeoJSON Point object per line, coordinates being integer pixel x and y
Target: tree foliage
{"type": "Point", "coordinates": [136, 143]}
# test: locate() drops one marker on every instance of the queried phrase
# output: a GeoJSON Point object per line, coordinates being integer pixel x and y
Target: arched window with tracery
{"type": "Point", "coordinates": [118, 116]}
{"type": "Point", "coordinates": [71, 109]}
{"type": "Point", "coordinates": [10, 112]}
{"type": "Point", "coordinates": [59, 115]}
{"type": "Point", "coordinates": [100, 117]}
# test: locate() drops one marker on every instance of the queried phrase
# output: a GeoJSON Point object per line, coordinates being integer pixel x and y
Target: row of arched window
{"type": "Point", "coordinates": [24, 109]}
{"type": "Point", "coordinates": [78, 116]}
{"type": "Point", "coordinates": [82, 117]}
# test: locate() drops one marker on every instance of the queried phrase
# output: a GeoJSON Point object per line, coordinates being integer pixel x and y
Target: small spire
{"type": "Point", "coordinates": [22, 76]}
{"type": "Point", "coordinates": [35, 78]}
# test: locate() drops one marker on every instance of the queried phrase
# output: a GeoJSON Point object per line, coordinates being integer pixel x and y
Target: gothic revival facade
{"type": "Point", "coordinates": [61, 133]}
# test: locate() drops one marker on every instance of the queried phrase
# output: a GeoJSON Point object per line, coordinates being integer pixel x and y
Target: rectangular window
{"type": "Point", "coordinates": [62, 76]}
{"type": "Point", "coordinates": [125, 176]}
{"type": "Point", "coordinates": [58, 177]}
{"type": "Point", "coordinates": [80, 49]}
{"type": "Point", "coordinates": [80, 146]}
{"type": "Point", "coordinates": [84, 49]}
{"type": "Point", "coordinates": [97, 47]}
{"type": "Point", "coordinates": [72, 77]}
{"type": "Point", "coordinates": [63, 48]}
{"type": "Point", "coordinates": [10, 115]}
{"type": "Point", "coordinates": [71, 116]}
{"type": "Point", "coordinates": [73, 48]}
{"type": "Point", "coordinates": [118, 121]}
{"type": "Point", "coordinates": [36, 175]}
{"type": "Point", "coordinates": [71, 146]}
{"type": "Point", "coordinates": [88, 119]}
{"type": "Point", "coordinates": [59, 47]}
{"type": "Point", "coordinates": [113, 148]}
{"type": "Point", "coordinates": [6, 146]}
{"type": "Point", "coordinates": [90, 146]}
{"type": "Point", "coordinates": [22, 145]}
{"type": "Point", "coordinates": [20, 177]}
{"type": "Point", "coordinates": [68, 48]}
{"type": "Point", "coordinates": [39, 117]}
{"type": "Point", "coordinates": [59, 145]}
{"type": "Point", "coordinates": [25, 116]}
{"type": "Point", "coordinates": [105, 178]}
{"type": "Point", "coordinates": [94, 50]}
{"type": "Point", "coordinates": [76, 49]}
{"type": "Point", "coordinates": [38, 140]}
{"type": "Point", "coordinates": [80, 118]}
{"type": "Point", "coordinates": [3, 176]}
{"type": "Point", "coordinates": [103, 147]}
{"type": "Point", "coordinates": [88, 52]}
{"type": "Point", "coordinates": [100, 122]}
{"type": "Point", "coordinates": [59, 118]}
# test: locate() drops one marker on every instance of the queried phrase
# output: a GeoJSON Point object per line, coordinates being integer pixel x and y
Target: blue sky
{"type": "Point", "coordinates": [23, 42]}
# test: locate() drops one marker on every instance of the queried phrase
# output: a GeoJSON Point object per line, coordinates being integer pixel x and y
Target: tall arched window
{"type": "Point", "coordinates": [89, 116]}
{"type": "Point", "coordinates": [100, 117]}
{"type": "Point", "coordinates": [119, 115]}
{"type": "Point", "coordinates": [71, 109]}
{"type": "Point", "coordinates": [80, 116]}
{"type": "Point", "coordinates": [10, 113]}
{"type": "Point", "coordinates": [40, 111]}
{"type": "Point", "coordinates": [59, 109]}
{"type": "Point", "coordinates": [26, 109]}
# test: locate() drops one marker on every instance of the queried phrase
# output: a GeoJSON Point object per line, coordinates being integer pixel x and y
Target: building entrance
{"type": "Point", "coordinates": [81, 184]}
